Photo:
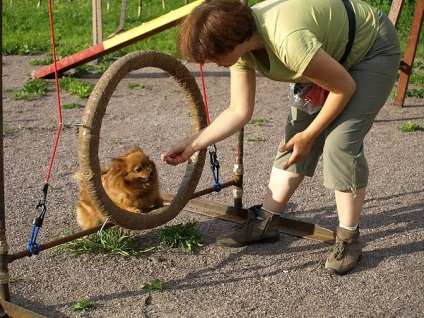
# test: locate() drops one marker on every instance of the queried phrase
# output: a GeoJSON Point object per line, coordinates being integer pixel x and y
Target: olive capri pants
{"type": "Point", "coordinates": [342, 143]}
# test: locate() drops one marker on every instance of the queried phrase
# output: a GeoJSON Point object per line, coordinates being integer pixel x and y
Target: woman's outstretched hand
{"type": "Point", "coordinates": [179, 153]}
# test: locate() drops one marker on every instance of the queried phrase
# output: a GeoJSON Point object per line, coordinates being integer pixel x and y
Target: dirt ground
{"type": "Point", "coordinates": [281, 279]}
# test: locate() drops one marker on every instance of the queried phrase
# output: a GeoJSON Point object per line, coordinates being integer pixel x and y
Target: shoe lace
{"type": "Point", "coordinates": [246, 224]}
{"type": "Point", "coordinates": [338, 250]}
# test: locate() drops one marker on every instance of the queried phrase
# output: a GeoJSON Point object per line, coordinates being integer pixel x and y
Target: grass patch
{"type": "Point", "coordinates": [255, 139]}
{"type": "Point", "coordinates": [26, 26]}
{"type": "Point", "coordinates": [111, 242]}
{"type": "Point", "coordinates": [416, 79]}
{"type": "Point", "coordinates": [71, 106]}
{"type": "Point", "coordinates": [82, 305]}
{"type": "Point", "coordinates": [115, 141]}
{"type": "Point", "coordinates": [184, 236]}
{"type": "Point", "coordinates": [6, 130]}
{"type": "Point", "coordinates": [136, 85]}
{"type": "Point", "coordinates": [410, 127]}
{"type": "Point", "coordinates": [41, 61]}
{"type": "Point", "coordinates": [31, 90]}
{"type": "Point", "coordinates": [76, 86]}
{"type": "Point", "coordinates": [88, 68]}
{"type": "Point", "coordinates": [258, 121]}
{"type": "Point", "coordinates": [38, 87]}
{"type": "Point", "coordinates": [415, 92]}
{"type": "Point", "coordinates": [154, 285]}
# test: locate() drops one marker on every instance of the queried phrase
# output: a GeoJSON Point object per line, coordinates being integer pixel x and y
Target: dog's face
{"type": "Point", "coordinates": [135, 167]}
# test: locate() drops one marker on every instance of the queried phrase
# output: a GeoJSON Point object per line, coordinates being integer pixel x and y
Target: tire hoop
{"type": "Point", "coordinates": [89, 137]}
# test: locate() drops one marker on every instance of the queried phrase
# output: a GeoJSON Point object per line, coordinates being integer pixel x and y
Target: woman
{"type": "Point", "coordinates": [299, 41]}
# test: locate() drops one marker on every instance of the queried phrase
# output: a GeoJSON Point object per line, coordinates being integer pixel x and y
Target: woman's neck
{"type": "Point", "coordinates": [254, 43]}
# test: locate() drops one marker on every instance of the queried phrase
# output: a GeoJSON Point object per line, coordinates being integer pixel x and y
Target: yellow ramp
{"type": "Point", "coordinates": [119, 41]}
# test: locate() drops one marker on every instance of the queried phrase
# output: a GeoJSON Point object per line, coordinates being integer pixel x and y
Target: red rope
{"type": "Point", "coordinates": [41, 206]}
{"type": "Point", "coordinates": [205, 100]}
{"type": "Point", "coordinates": [59, 129]}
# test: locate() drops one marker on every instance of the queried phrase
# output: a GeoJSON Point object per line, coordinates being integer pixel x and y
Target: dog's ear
{"type": "Point", "coordinates": [136, 148]}
{"type": "Point", "coordinates": [152, 165]}
{"type": "Point", "coordinates": [118, 165]}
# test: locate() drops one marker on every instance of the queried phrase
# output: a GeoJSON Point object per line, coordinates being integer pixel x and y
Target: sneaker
{"type": "Point", "coordinates": [261, 227]}
{"type": "Point", "coordinates": [345, 253]}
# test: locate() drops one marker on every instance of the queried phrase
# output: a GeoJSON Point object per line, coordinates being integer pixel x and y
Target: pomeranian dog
{"type": "Point", "coordinates": [131, 182]}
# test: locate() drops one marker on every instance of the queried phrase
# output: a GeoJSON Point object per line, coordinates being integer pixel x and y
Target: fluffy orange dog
{"type": "Point", "coordinates": [131, 182]}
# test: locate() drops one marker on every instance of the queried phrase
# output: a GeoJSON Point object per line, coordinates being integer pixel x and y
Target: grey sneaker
{"type": "Point", "coordinates": [261, 227]}
{"type": "Point", "coordinates": [345, 253]}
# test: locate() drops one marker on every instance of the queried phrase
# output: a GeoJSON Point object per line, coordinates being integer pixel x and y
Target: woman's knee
{"type": "Point", "coordinates": [344, 169]}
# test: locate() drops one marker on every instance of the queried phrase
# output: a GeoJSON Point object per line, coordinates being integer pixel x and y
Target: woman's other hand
{"type": "Point", "coordinates": [300, 146]}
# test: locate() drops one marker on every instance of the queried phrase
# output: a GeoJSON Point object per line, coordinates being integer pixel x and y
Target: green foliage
{"type": "Point", "coordinates": [258, 121]}
{"type": "Point", "coordinates": [136, 85]}
{"type": "Point", "coordinates": [108, 243]}
{"type": "Point", "coordinates": [255, 139]}
{"type": "Point", "coordinates": [75, 86]}
{"type": "Point", "coordinates": [417, 78]}
{"type": "Point", "coordinates": [415, 92]}
{"type": "Point", "coordinates": [26, 27]}
{"type": "Point", "coordinates": [154, 285]}
{"type": "Point", "coordinates": [115, 141]}
{"type": "Point", "coordinates": [104, 64]}
{"type": "Point", "coordinates": [82, 305]}
{"type": "Point", "coordinates": [410, 127]}
{"type": "Point", "coordinates": [6, 129]}
{"type": "Point", "coordinates": [31, 90]}
{"type": "Point", "coordinates": [184, 236]}
{"type": "Point", "coordinates": [41, 61]}
{"type": "Point", "coordinates": [71, 106]}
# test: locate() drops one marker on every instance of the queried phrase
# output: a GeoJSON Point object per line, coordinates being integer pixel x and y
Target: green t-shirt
{"type": "Point", "coordinates": [294, 30]}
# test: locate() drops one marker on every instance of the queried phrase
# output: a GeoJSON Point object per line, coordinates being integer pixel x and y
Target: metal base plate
{"type": "Point", "coordinates": [286, 225]}
{"type": "Point", "coordinates": [13, 310]}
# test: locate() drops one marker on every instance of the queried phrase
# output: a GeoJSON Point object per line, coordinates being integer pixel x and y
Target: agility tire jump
{"type": "Point", "coordinates": [89, 137]}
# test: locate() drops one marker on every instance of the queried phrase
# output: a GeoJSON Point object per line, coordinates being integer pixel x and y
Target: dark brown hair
{"type": "Point", "coordinates": [214, 27]}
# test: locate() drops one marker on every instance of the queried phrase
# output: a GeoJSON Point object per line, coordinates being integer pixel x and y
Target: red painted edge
{"type": "Point", "coordinates": [72, 61]}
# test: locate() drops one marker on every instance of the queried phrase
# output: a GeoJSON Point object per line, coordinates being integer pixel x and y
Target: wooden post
{"type": "Point", "coordinates": [395, 10]}
{"type": "Point", "coordinates": [121, 19]}
{"type": "Point", "coordinates": [97, 24]}
{"type": "Point", "coordinates": [4, 271]}
{"type": "Point", "coordinates": [94, 21]}
{"type": "Point", "coordinates": [408, 60]}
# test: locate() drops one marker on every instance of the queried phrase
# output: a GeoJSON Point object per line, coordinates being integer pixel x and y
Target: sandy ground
{"type": "Point", "coordinates": [281, 279]}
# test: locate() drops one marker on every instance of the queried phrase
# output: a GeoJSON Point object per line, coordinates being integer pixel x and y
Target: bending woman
{"type": "Point", "coordinates": [298, 41]}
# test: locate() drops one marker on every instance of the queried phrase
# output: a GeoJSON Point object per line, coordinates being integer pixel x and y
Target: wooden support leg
{"type": "Point", "coordinates": [408, 60]}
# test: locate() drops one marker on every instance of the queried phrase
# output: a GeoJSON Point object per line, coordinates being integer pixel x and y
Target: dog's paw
{"type": "Point", "coordinates": [166, 203]}
{"type": "Point", "coordinates": [135, 210]}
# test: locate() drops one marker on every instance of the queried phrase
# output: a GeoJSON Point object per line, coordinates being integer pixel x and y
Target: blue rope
{"type": "Point", "coordinates": [32, 242]}
{"type": "Point", "coordinates": [37, 224]}
{"type": "Point", "coordinates": [214, 164]}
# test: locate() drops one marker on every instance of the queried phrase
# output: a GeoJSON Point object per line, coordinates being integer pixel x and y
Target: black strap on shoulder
{"type": "Point", "coordinates": [352, 29]}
